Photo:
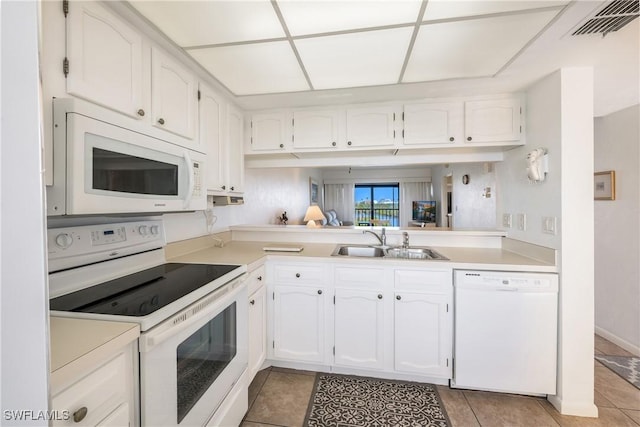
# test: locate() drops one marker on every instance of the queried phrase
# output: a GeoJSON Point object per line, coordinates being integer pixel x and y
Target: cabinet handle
{"type": "Point", "coordinates": [398, 297]}
{"type": "Point", "coordinates": [333, 144]}
{"type": "Point", "coordinates": [319, 291]}
{"type": "Point", "coordinates": [281, 145]}
{"type": "Point", "coordinates": [252, 302]}
{"type": "Point", "coordinates": [469, 138]}
{"type": "Point", "coordinates": [224, 187]}
{"type": "Point", "coordinates": [80, 414]}
{"type": "Point", "coordinates": [348, 142]}
{"type": "Point", "coordinates": [379, 296]}
{"type": "Point", "coordinates": [161, 120]}
{"type": "Point", "coordinates": [297, 274]}
{"type": "Point", "coordinates": [260, 278]}
{"type": "Point", "coordinates": [452, 139]}
{"type": "Point", "coordinates": [141, 112]}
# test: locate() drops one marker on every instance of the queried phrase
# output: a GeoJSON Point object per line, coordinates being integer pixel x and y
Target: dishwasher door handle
{"type": "Point", "coordinates": [508, 289]}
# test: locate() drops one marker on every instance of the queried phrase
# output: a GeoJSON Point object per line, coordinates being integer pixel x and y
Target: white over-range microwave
{"type": "Point", "coordinates": [108, 164]}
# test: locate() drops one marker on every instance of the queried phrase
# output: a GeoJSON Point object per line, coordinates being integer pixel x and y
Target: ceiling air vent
{"type": "Point", "coordinates": [612, 17]}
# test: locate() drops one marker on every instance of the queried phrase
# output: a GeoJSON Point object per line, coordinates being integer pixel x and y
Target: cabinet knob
{"type": "Point", "coordinates": [260, 278]}
{"type": "Point", "coordinates": [80, 414]}
{"type": "Point", "coordinates": [161, 120]}
{"type": "Point", "coordinates": [333, 144]}
{"type": "Point", "coordinates": [224, 187]}
{"type": "Point", "coordinates": [379, 296]}
{"type": "Point", "coordinates": [452, 139]}
{"type": "Point", "coordinates": [281, 145]}
{"type": "Point", "coordinates": [319, 291]}
{"type": "Point", "coordinates": [469, 138]}
{"type": "Point", "coordinates": [141, 112]}
{"type": "Point", "coordinates": [252, 302]}
{"type": "Point", "coordinates": [348, 142]}
{"type": "Point", "coordinates": [398, 297]}
{"type": "Point", "coordinates": [232, 188]}
{"type": "Point", "coordinates": [297, 274]}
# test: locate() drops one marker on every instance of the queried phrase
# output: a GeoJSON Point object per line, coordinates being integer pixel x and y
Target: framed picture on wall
{"type": "Point", "coordinates": [604, 185]}
{"type": "Point", "coordinates": [313, 191]}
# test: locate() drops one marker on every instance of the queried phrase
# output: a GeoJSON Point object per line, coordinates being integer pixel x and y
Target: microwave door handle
{"type": "Point", "coordinates": [187, 199]}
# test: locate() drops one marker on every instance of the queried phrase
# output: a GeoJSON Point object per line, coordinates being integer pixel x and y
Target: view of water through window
{"type": "Point", "coordinates": [377, 205]}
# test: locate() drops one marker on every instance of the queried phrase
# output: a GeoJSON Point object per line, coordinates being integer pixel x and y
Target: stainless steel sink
{"type": "Point", "coordinates": [415, 253]}
{"type": "Point", "coordinates": [358, 251]}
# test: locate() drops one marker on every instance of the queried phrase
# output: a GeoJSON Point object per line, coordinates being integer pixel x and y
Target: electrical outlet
{"type": "Point", "coordinates": [522, 222]}
{"type": "Point", "coordinates": [506, 220]}
{"type": "Point", "coordinates": [549, 224]}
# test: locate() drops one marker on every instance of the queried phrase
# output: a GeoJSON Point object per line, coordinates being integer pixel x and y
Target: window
{"type": "Point", "coordinates": [377, 204]}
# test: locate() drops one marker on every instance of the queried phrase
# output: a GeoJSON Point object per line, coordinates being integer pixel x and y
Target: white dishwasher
{"type": "Point", "coordinates": [506, 327]}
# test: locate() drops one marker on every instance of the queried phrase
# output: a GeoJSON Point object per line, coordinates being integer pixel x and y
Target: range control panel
{"type": "Point", "coordinates": [69, 247]}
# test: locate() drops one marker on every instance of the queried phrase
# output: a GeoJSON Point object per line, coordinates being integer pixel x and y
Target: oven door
{"type": "Point", "coordinates": [114, 170]}
{"type": "Point", "coordinates": [190, 362]}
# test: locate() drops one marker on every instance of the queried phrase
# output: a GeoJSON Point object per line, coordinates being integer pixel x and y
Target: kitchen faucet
{"type": "Point", "coordinates": [405, 240]}
{"type": "Point", "coordinates": [382, 238]}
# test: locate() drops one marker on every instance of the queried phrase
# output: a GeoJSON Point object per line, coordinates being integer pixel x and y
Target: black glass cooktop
{"type": "Point", "coordinates": [143, 292]}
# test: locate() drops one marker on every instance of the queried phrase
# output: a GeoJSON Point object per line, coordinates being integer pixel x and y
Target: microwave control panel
{"type": "Point", "coordinates": [197, 180]}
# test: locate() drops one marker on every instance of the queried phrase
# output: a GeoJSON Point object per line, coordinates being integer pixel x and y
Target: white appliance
{"type": "Point", "coordinates": [106, 164]}
{"type": "Point", "coordinates": [506, 330]}
{"type": "Point", "coordinates": [193, 317]}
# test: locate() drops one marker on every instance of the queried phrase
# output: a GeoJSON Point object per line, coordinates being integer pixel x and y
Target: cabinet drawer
{"type": "Point", "coordinates": [360, 277]}
{"type": "Point", "coordinates": [298, 274]}
{"type": "Point", "coordinates": [255, 279]}
{"type": "Point", "coordinates": [424, 280]}
{"type": "Point", "coordinates": [100, 392]}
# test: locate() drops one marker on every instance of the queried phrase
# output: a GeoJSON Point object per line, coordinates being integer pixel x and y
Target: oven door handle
{"type": "Point", "coordinates": [206, 308]}
{"type": "Point", "coordinates": [190, 185]}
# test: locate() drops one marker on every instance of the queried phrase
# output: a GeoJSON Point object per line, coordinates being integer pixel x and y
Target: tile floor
{"type": "Point", "coordinates": [279, 397]}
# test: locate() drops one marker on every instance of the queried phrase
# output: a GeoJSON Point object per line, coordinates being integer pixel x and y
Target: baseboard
{"type": "Point", "coordinates": [631, 348]}
{"type": "Point", "coordinates": [576, 409]}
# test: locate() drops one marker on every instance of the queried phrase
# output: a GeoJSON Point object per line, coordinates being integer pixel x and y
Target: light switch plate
{"type": "Point", "coordinates": [522, 222]}
{"type": "Point", "coordinates": [549, 224]}
{"type": "Point", "coordinates": [506, 220]}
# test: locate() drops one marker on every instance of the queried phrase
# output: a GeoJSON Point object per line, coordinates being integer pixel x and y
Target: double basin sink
{"type": "Point", "coordinates": [387, 252]}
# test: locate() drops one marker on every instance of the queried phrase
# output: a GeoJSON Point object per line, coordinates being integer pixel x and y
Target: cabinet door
{"type": "Point", "coordinates": [433, 123]}
{"type": "Point", "coordinates": [211, 137]}
{"type": "Point", "coordinates": [422, 325]}
{"type": "Point", "coordinates": [315, 129]}
{"type": "Point", "coordinates": [270, 131]}
{"type": "Point", "coordinates": [118, 418]}
{"type": "Point", "coordinates": [105, 59]}
{"type": "Point", "coordinates": [235, 156]}
{"type": "Point", "coordinates": [371, 127]}
{"type": "Point", "coordinates": [494, 120]}
{"type": "Point", "coordinates": [257, 330]}
{"type": "Point", "coordinates": [174, 93]}
{"type": "Point", "coordinates": [298, 324]}
{"type": "Point", "coordinates": [359, 328]}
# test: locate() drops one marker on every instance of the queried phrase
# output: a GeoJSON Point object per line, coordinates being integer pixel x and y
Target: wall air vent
{"type": "Point", "coordinates": [612, 17]}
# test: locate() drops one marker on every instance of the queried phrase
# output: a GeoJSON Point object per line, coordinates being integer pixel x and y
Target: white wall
{"type": "Point", "coordinates": [24, 339]}
{"type": "Point", "coordinates": [560, 119]}
{"type": "Point", "coordinates": [617, 230]}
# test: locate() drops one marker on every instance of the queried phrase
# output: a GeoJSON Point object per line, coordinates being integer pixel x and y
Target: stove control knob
{"type": "Point", "coordinates": [154, 230]}
{"type": "Point", "coordinates": [142, 230]}
{"type": "Point", "coordinates": [63, 240]}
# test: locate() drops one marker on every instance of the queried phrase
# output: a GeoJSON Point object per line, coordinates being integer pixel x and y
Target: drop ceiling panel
{"type": "Point", "coordinates": [254, 68]}
{"type": "Point", "coordinates": [352, 60]}
{"type": "Point", "coordinates": [447, 9]}
{"type": "Point", "coordinates": [197, 23]}
{"type": "Point", "coordinates": [314, 17]}
{"type": "Point", "coordinates": [471, 48]}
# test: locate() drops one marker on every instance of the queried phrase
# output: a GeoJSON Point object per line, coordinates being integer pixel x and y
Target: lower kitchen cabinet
{"type": "Point", "coordinates": [359, 328]}
{"type": "Point", "coordinates": [298, 323]}
{"type": "Point", "coordinates": [257, 321]}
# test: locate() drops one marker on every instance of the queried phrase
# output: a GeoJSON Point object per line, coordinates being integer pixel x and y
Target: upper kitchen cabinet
{"type": "Point", "coordinates": [495, 120]}
{"type": "Point", "coordinates": [235, 154]}
{"type": "Point", "coordinates": [428, 123]}
{"type": "Point", "coordinates": [270, 132]}
{"type": "Point", "coordinates": [317, 129]}
{"type": "Point", "coordinates": [371, 126]}
{"type": "Point", "coordinates": [174, 95]}
{"type": "Point", "coordinates": [210, 121]}
{"type": "Point", "coordinates": [104, 62]}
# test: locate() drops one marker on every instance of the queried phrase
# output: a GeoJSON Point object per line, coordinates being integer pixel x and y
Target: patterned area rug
{"type": "Point", "coordinates": [627, 367]}
{"type": "Point", "coordinates": [346, 401]}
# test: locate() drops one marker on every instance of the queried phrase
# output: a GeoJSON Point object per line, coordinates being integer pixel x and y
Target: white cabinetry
{"type": "Point", "coordinates": [257, 321]}
{"type": "Point", "coordinates": [316, 129]}
{"type": "Point", "coordinates": [235, 155]}
{"type": "Point", "coordinates": [371, 126]}
{"type": "Point", "coordinates": [423, 319]}
{"type": "Point", "coordinates": [270, 132]}
{"type": "Point", "coordinates": [105, 59]}
{"type": "Point", "coordinates": [495, 120]}
{"type": "Point", "coordinates": [174, 95]}
{"type": "Point", "coordinates": [210, 121]}
{"type": "Point", "coordinates": [433, 123]}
